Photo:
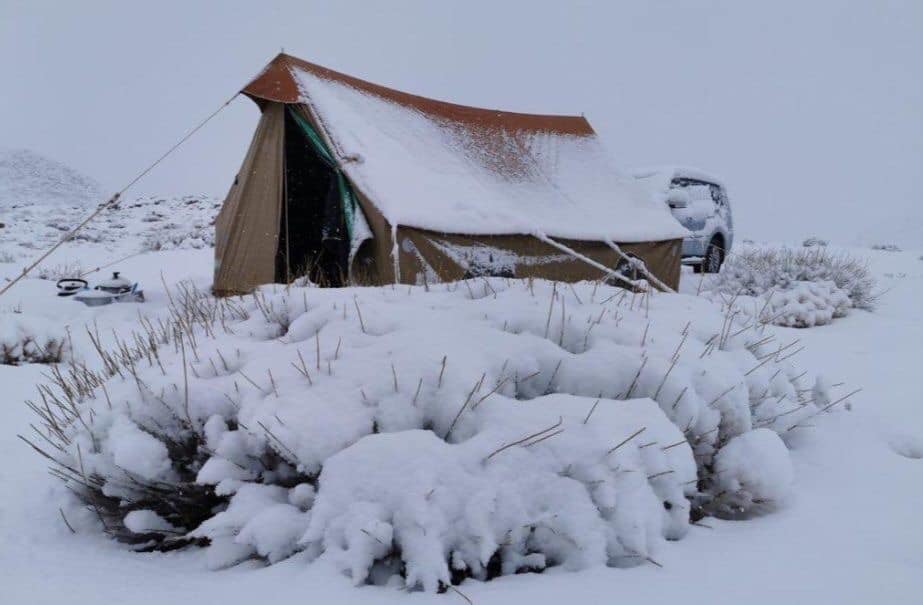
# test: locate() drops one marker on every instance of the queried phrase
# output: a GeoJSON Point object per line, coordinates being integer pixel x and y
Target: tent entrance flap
{"type": "Point", "coordinates": [318, 210]}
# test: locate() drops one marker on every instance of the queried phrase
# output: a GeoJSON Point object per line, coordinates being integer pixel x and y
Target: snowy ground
{"type": "Point", "coordinates": [851, 532]}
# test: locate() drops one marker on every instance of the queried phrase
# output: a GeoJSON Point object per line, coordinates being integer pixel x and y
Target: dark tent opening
{"type": "Point", "coordinates": [313, 238]}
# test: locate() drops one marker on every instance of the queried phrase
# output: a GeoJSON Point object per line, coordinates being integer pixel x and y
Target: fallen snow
{"type": "Point", "coordinates": [484, 428]}
{"type": "Point", "coordinates": [132, 226]}
{"type": "Point", "coordinates": [849, 532]}
{"type": "Point", "coordinates": [25, 339]}
{"type": "Point", "coordinates": [755, 468]}
{"type": "Point", "coordinates": [145, 521]}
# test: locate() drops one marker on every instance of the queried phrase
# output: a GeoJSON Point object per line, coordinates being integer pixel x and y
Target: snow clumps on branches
{"type": "Point", "coordinates": [797, 288]}
{"type": "Point", "coordinates": [420, 435]}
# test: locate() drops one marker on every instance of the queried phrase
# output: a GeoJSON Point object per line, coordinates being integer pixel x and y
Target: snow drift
{"type": "Point", "coordinates": [420, 435]}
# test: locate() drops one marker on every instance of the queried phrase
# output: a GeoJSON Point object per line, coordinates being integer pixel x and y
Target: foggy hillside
{"type": "Point", "coordinates": [27, 177]}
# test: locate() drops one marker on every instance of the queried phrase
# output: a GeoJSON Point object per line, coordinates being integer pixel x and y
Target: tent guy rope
{"type": "Point", "coordinates": [115, 198]}
{"type": "Point", "coordinates": [109, 264]}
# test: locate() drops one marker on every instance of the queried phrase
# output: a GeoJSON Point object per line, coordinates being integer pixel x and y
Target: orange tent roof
{"type": "Point", "coordinates": [456, 169]}
{"type": "Point", "coordinates": [277, 83]}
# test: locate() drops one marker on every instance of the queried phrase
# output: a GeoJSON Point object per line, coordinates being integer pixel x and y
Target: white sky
{"type": "Point", "coordinates": [812, 112]}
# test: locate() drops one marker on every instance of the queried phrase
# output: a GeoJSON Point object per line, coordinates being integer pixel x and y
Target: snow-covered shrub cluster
{"type": "Point", "coordinates": [28, 341]}
{"type": "Point", "coordinates": [814, 241]}
{"type": "Point", "coordinates": [177, 223]}
{"type": "Point", "coordinates": [158, 223]}
{"type": "Point", "coordinates": [798, 288]}
{"type": "Point", "coordinates": [750, 485]}
{"type": "Point", "coordinates": [420, 435]}
{"type": "Point", "coordinates": [66, 269]}
{"type": "Point", "coordinates": [179, 237]}
{"type": "Point", "coordinates": [886, 247]}
{"type": "Point", "coordinates": [798, 305]}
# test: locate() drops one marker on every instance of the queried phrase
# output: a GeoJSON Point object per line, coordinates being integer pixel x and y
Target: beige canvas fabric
{"type": "Point", "coordinates": [247, 228]}
{"type": "Point", "coordinates": [247, 237]}
{"type": "Point", "coordinates": [426, 255]}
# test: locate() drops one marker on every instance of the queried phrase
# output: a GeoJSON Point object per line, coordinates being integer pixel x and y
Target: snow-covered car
{"type": "Point", "coordinates": [700, 203]}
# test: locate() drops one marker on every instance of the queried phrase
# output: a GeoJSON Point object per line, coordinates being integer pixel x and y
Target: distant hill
{"type": "Point", "coordinates": [27, 177]}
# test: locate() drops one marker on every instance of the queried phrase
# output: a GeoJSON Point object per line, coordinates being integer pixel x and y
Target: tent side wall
{"type": "Point", "coordinates": [247, 227]}
{"type": "Point", "coordinates": [373, 265]}
{"type": "Point", "coordinates": [445, 257]}
{"type": "Point", "coordinates": [247, 235]}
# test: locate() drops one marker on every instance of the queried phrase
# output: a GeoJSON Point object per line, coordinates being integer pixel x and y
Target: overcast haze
{"type": "Point", "coordinates": [811, 112]}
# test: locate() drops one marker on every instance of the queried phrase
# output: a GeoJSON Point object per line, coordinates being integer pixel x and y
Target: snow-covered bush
{"type": "Point", "coordinates": [422, 435]}
{"type": "Point", "coordinates": [7, 257]}
{"type": "Point", "coordinates": [793, 287]}
{"type": "Point", "coordinates": [185, 222]}
{"type": "Point", "coordinates": [886, 247]}
{"type": "Point", "coordinates": [182, 223]}
{"type": "Point", "coordinates": [814, 241]}
{"type": "Point", "coordinates": [58, 271]}
{"type": "Point", "coordinates": [173, 236]}
{"type": "Point", "coordinates": [752, 469]}
{"type": "Point", "coordinates": [27, 341]}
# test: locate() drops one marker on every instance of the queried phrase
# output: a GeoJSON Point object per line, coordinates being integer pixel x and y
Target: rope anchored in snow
{"type": "Point", "coordinates": [112, 201]}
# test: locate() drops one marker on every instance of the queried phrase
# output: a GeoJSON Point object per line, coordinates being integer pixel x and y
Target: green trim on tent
{"type": "Point", "coordinates": [347, 196]}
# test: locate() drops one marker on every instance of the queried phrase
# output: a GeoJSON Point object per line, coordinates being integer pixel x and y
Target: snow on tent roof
{"type": "Point", "coordinates": [449, 168]}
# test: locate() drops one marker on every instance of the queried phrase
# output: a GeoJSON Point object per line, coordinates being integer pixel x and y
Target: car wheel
{"type": "Point", "coordinates": [713, 257]}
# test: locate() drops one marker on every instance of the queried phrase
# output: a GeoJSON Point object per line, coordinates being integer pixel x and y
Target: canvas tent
{"type": "Point", "coordinates": [345, 179]}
